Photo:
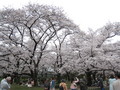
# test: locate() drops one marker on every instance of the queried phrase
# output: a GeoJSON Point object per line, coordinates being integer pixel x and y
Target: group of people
{"type": "Point", "coordinates": [30, 83]}
{"type": "Point", "coordinates": [49, 85]}
{"type": "Point", "coordinates": [74, 84]}
{"type": "Point", "coordinates": [114, 82]}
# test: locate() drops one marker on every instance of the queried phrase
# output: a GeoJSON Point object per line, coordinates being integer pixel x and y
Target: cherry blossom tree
{"type": "Point", "coordinates": [92, 52]}
{"type": "Point", "coordinates": [39, 36]}
{"type": "Point", "coordinates": [27, 32]}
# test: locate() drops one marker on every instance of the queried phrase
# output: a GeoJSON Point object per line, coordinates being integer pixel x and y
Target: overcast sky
{"type": "Point", "coordinates": [85, 13]}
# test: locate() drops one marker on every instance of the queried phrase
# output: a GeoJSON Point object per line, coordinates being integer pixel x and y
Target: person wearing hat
{"type": "Point", "coordinates": [5, 83]}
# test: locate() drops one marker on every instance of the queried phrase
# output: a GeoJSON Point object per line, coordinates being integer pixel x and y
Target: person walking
{"type": "Point", "coordinates": [52, 84]}
{"type": "Point", "coordinates": [5, 83]}
{"type": "Point", "coordinates": [116, 84]}
{"type": "Point", "coordinates": [111, 80]}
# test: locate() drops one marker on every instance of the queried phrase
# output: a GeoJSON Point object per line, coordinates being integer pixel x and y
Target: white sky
{"type": "Point", "coordinates": [85, 13]}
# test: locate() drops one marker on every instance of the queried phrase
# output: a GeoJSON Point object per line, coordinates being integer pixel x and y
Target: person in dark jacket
{"type": "Point", "coordinates": [83, 84]}
{"type": "Point", "coordinates": [100, 83]}
{"type": "Point", "coordinates": [47, 85]}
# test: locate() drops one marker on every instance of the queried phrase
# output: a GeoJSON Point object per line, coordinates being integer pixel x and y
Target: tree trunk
{"type": "Point", "coordinates": [34, 77]}
{"type": "Point", "coordinates": [89, 79]}
{"type": "Point", "coordinates": [59, 77]}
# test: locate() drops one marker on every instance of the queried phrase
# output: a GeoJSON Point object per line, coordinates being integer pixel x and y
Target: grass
{"type": "Point", "coordinates": [18, 87]}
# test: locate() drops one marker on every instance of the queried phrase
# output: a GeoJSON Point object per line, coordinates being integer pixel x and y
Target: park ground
{"type": "Point", "coordinates": [18, 87]}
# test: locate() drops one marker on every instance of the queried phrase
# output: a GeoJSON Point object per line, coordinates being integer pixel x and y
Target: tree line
{"type": "Point", "coordinates": [39, 38]}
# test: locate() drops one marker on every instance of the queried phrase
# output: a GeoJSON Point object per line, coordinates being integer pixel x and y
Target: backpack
{"type": "Point", "coordinates": [61, 87]}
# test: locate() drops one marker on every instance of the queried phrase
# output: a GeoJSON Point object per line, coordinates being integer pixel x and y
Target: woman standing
{"type": "Point", "coordinates": [73, 85]}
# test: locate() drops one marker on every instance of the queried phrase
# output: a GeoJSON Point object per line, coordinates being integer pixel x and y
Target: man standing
{"type": "Point", "coordinates": [100, 83]}
{"type": "Point", "coordinates": [116, 84]}
{"type": "Point", "coordinates": [5, 83]}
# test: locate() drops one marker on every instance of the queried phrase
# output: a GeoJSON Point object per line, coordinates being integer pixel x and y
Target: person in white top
{"type": "Point", "coordinates": [116, 84]}
{"type": "Point", "coordinates": [111, 80]}
{"type": "Point", "coordinates": [5, 83]}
